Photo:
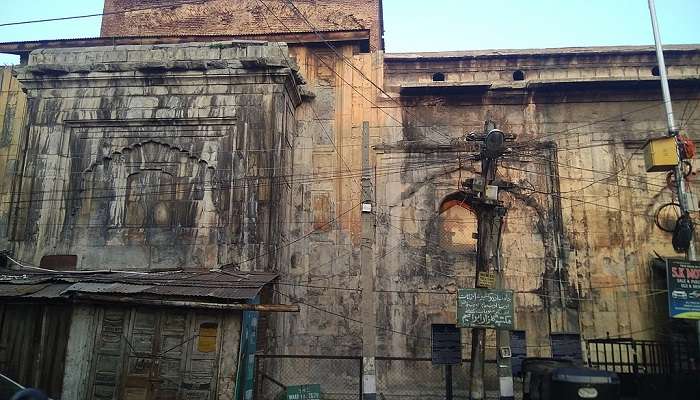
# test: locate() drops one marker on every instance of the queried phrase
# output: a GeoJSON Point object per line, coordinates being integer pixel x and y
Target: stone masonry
{"type": "Point", "coordinates": [159, 156]}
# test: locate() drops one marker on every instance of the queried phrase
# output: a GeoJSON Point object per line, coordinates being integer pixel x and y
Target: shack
{"type": "Point", "coordinates": [127, 335]}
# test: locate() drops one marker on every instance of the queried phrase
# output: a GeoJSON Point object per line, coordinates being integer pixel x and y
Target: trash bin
{"type": "Point", "coordinates": [583, 383]}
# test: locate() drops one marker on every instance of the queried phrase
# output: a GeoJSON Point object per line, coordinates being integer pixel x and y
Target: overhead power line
{"type": "Point", "coordinates": [216, 187]}
{"type": "Point", "coordinates": [170, 5]}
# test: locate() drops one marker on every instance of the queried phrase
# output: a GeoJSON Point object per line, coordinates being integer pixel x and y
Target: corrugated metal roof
{"type": "Point", "coordinates": [215, 285]}
{"type": "Point", "coordinates": [89, 287]}
{"type": "Point", "coordinates": [53, 291]}
{"type": "Point", "coordinates": [11, 290]}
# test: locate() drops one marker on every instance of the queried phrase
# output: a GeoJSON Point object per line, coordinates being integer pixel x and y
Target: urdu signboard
{"type": "Point", "coordinates": [683, 289]}
{"type": "Point", "coordinates": [485, 308]}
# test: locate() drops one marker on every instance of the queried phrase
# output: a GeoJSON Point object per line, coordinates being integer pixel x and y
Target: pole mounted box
{"type": "Point", "coordinates": [661, 154]}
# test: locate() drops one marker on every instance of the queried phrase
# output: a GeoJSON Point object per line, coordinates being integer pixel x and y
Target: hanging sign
{"type": "Point", "coordinates": [683, 289]}
{"type": "Point", "coordinates": [486, 280]}
{"type": "Point", "coordinates": [446, 344]}
{"type": "Point", "coordinates": [485, 308]}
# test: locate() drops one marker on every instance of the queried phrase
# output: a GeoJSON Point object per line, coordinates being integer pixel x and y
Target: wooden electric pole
{"type": "Point", "coordinates": [490, 215]}
{"type": "Point", "coordinates": [369, 313]}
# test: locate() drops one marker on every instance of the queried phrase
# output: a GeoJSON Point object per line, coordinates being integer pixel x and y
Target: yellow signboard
{"type": "Point", "coordinates": [486, 280]}
{"type": "Point", "coordinates": [207, 338]}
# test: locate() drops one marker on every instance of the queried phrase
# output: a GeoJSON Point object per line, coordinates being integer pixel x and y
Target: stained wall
{"type": "Point", "coordinates": [242, 17]}
{"type": "Point", "coordinates": [157, 157]}
{"type": "Point", "coordinates": [13, 107]}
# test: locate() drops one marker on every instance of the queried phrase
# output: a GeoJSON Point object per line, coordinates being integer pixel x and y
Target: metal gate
{"type": "Point", "coordinates": [649, 369]}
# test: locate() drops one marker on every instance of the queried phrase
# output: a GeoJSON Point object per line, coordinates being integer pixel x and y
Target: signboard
{"type": "Point", "coordinates": [446, 344]}
{"type": "Point", "coordinates": [207, 338]}
{"type": "Point", "coordinates": [304, 392]}
{"type": "Point", "coordinates": [485, 308]}
{"type": "Point", "coordinates": [486, 280]}
{"type": "Point", "coordinates": [683, 289]}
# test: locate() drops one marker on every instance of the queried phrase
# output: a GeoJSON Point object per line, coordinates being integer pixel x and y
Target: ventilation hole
{"type": "Point", "coordinates": [519, 75]}
{"type": "Point", "coordinates": [438, 77]}
{"type": "Point", "coordinates": [655, 71]}
{"type": "Point", "coordinates": [59, 262]}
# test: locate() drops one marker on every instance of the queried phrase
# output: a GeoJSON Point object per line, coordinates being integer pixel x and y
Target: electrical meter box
{"type": "Point", "coordinates": [661, 154]}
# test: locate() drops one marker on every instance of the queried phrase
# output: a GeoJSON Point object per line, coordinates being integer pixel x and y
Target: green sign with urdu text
{"type": "Point", "coordinates": [485, 308]}
{"type": "Point", "coordinates": [304, 392]}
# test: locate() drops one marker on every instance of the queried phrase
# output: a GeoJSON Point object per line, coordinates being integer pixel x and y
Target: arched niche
{"type": "Point", "coordinates": [457, 224]}
{"type": "Point", "coordinates": [148, 185]}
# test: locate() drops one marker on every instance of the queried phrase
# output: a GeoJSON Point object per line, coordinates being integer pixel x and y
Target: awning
{"type": "Point", "coordinates": [197, 288]}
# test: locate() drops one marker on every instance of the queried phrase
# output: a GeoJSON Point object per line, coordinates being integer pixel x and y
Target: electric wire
{"type": "Point", "coordinates": [352, 65]}
{"type": "Point", "coordinates": [280, 181]}
{"type": "Point", "coordinates": [170, 5]}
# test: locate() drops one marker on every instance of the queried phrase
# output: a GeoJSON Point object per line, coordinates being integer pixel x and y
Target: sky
{"type": "Point", "coordinates": [438, 25]}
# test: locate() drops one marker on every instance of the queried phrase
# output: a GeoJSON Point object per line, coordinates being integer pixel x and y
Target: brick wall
{"type": "Point", "coordinates": [242, 17]}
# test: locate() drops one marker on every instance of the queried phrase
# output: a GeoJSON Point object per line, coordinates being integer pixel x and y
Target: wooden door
{"type": "Point", "coordinates": [156, 354]}
{"type": "Point", "coordinates": [154, 362]}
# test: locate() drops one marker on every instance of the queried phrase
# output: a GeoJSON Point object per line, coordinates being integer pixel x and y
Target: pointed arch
{"type": "Point", "coordinates": [457, 224]}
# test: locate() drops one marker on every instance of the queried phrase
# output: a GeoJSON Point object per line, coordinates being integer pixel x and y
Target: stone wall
{"type": "Point", "coordinates": [242, 17]}
{"type": "Point", "coordinates": [13, 107]}
{"type": "Point", "coordinates": [158, 157]}
{"type": "Point", "coordinates": [578, 240]}
{"type": "Point", "coordinates": [325, 223]}
{"type": "Point", "coordinates": [579, 237]}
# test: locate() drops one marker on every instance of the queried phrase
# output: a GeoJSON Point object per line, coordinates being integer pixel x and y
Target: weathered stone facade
{"type": "Point", "coordinates": [580, 235]}
{"type": "Point", "coordinates": [575, 276]}
{"type": "Point", "coordinates": [160, 156]}
{"type": "Point", "coordinates": [13, 108]}
{"type": "Point", "coordinates": [242, 17]}
{"type": "Point", "coordinates": [270, 182]}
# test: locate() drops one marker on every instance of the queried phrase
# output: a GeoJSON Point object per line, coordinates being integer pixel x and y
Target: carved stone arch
{"type": "Point", "coordinates": [119, 154]}
{"type": "Point", "coordinates": [150, 184]}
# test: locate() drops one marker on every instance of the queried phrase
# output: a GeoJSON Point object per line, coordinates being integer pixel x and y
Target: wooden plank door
{"type": "Point", "coordinates": [156, 354]}
{"type": "Point", "coordinates": [154, 362]}
{"type": "Point", "coordinates": [140, 366]}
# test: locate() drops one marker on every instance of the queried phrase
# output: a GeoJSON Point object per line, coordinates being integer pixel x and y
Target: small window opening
{"type": "Point", "coordinates": [458, 229]}
{"type": "Point", "coordinates": [207, 337]}
{"type": "Point", "coordinates": [655, 71]}
{"type": "Point", "coordinates": [438, 77]}
{"type": "Point", "coordinates": [59, 262]}
{"type": "Point", "coordinates": [519, 75]}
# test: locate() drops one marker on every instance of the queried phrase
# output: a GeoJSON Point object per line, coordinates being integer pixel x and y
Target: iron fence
{"type": "Point", "coordinates": [642, 356]}
{"type": "Point", "coordinates": [340, 377]}
{"type": "Point", "coordinates": [417, 378]}
{"type": "Point", "coordinates": [649, 369]}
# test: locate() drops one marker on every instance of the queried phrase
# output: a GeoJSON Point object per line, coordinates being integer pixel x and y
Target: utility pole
{"type": "Point", "coordinates": [672, 131]}
{"type": "Point", "coordinates": [503, 357]}
{"type": "Point", "coordinates": [489, 218]}
{"type": "Point", "coordinates": [369, 313]}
